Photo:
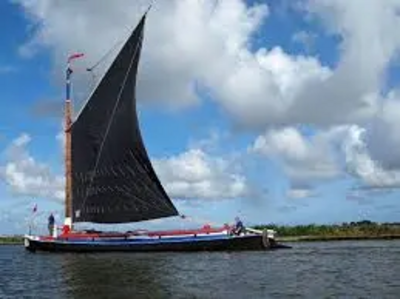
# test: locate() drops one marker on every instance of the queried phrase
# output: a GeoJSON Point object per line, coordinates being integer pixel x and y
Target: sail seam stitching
{"type": "Point", "coordinates": [151, 190]}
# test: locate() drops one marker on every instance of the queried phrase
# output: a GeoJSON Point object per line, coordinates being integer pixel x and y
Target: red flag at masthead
{"type": "Point", "coordinates": [75, 56]}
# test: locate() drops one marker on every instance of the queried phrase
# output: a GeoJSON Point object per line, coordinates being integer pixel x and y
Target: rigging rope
{"type": "Point", "coordinates": [102, 58]}
{"type": "Point", "coordinates": [90, 69]}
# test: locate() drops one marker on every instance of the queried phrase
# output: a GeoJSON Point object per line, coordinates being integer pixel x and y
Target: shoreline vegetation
{"type": "Point", "coordinates": [11, 240]}
{"type": "Point", "coordinates": [362, 230]}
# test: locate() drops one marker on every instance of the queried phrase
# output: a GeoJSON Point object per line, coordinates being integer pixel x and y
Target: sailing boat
{"type": "Point", "coordinates": [110, 179]}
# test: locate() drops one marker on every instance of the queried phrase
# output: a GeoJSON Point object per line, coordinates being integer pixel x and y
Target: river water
{"type": "Point", "coordinates": [363, 269]}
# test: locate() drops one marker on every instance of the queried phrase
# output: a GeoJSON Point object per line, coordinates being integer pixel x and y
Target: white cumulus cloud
{"type": "Point", "coordinates": [195, 174]}
{"type": "Point", "coordinates": [306, 161]}
{"type": "Point", "coordinates": [362, 166]}
{"type": "Point", "coordinates": [26, 176]}
{"type": "Point", "coordinates": [382, 136]}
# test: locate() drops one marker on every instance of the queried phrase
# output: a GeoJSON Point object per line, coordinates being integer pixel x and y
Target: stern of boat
{"type": "Point", "coordinates": [267, 238]}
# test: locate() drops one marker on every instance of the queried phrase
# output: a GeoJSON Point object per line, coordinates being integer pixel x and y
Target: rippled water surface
{"type": "Point", "coordinates": [368, 269]}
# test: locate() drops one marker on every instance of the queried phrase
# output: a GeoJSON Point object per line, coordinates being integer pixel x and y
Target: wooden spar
{"type": "Point", "coordinates": [68, 171]}
{"type": "Point", "coordinates": [68, 162]}
{"type": "Point", "coordinates": [68, 147]}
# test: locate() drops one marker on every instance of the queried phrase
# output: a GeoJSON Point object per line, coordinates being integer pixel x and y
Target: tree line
{"type": "Point", "coordinates": [360, 228]}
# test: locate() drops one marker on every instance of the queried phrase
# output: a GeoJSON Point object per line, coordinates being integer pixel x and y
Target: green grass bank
{"type": "Point", "coordinates": [362, 230]}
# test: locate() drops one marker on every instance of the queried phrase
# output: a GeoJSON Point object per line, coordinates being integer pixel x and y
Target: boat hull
{"type": "Point", "coordinates": [215, 243]}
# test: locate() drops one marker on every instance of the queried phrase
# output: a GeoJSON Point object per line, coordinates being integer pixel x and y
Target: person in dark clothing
{"type": "Point", "coordinates": [51, 224]}
{"type": "Point", "coordinates": [239, 227]}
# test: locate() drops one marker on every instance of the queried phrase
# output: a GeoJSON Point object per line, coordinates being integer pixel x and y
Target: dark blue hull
{"type": "Point", "coordinates": [211, 243]}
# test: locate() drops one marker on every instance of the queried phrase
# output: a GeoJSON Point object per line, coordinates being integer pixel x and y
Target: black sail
{"type": "Point", "coordinates": [113, 180]}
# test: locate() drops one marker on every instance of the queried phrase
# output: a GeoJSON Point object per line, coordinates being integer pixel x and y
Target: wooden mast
{"type": "Point", "coordinates": [68, 170]}
{"type": "Point", "coordinates": [68, 148]}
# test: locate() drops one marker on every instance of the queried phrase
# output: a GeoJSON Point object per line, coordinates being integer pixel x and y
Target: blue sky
{"type": "Point", "coordinates": [285, 164]}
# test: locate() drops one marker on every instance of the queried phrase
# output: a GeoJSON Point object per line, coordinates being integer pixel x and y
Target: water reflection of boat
{"type": "Point", "coordinates": [110, 179]}
{"type": "Point", "coordinates": [115, 276]}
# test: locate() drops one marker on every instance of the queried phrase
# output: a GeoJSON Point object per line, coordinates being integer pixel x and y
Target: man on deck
{"type": "Point", "coordinates": [239, 227]}
{"type": "Point", "coordinates": [51, 224]}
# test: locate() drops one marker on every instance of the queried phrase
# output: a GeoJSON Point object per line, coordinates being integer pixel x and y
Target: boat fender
{"type": "Point", "coordinates": [265, 239]}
